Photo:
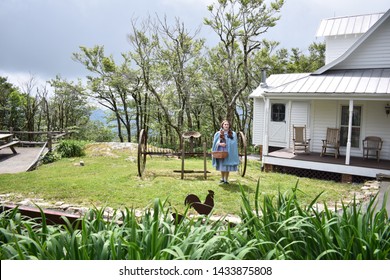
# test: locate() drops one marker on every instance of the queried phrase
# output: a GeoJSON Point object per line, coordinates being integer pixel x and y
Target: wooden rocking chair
{"type": "Point", "coordinates": [372, 145]}
{"type": "Point", "coordinates": [332, 141]}
{"type": "Point", "coordinates": [299, 139]}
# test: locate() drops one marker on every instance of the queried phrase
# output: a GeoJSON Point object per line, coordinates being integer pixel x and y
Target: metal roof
{"type": "Point", "coordinates": [277, 80]}
{"type": "Point", "coordinates": [347, 25]}
{"type": "Point", "coordinates": [364, 81]}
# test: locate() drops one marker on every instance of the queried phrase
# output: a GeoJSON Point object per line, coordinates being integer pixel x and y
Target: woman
{"type": "Point", "coordinates": [226, 140]}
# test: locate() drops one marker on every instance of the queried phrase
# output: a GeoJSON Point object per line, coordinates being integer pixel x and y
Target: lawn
{"type": "Point", "coordinates": [109, 178]}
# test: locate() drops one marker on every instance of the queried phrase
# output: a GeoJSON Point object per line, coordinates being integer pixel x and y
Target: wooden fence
{"type": "Point", "coordinates": [37, 138]}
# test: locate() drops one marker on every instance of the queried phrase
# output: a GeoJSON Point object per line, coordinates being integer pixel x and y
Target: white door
{"type": "Point", "coordinates": [278, 124]}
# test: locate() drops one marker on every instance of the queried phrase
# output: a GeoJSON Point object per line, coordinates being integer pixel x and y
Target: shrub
{"type": "Point", "coordinates": [51, 157]}
{"type": "Point", "coordinates": [71, 148]}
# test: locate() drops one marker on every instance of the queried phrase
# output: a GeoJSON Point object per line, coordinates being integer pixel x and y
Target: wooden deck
{"type": "Point", "coordinates": [313, 161]}
{"type": "Point", "coordinates": [23, 161]}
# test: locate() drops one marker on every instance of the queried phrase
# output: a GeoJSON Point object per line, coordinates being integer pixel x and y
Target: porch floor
{"type": "Point", "coordinates": [313, 161]}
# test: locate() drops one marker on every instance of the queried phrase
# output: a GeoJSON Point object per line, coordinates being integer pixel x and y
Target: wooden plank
{"type": "Point", "coordinates": [5, 136]}
{"type": "Point", "coordinates": [53, 217]}
{"type": "Point", "coordinates": [32, 143]}
{"type": "Point", "coordinates": [10, 145]}
{"type": "Point", "coordinates": [21, 162]}
{"type": "Point", "coordinates": [42, 153]}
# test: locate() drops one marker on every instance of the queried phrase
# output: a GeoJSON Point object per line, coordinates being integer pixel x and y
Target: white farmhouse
{"type": "Point", "coordinates": [350, 93]}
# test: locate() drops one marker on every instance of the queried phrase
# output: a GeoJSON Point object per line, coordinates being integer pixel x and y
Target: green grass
{"type": "Point", "coordinates": [110, 179]}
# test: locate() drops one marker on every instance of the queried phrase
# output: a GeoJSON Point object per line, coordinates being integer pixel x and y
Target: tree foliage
{"type": "Point", "coordinates": [11, 102]}
{"type": "Point", "coordinates": [169, 59]}
{"type": "Point", "coordinates": [169, 81]}
{"type": "Point", "coordinates": [238, 25]}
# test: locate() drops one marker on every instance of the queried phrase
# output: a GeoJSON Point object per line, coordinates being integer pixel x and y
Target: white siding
{"type": "Point", "coordinates": [300, 112]}
{"type": "Point", "coordinates": [337, 45]}
{"type": "Point", "coordinates": [325, 114]}
{"type": "Point", "coordinates": [258, 121]}
{"type": "Point", "coordinates": [372, 53]}
{"type": "Point", "coordinates": [374, 123]}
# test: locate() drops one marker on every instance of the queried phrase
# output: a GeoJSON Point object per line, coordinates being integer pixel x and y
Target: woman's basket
{"type": "Point", "coordinates": [220, 154]}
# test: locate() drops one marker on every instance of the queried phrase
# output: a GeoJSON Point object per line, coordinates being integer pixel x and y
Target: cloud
{"type": "Point", "coordinates": [188, 3]}
{"type": "Point", "coordinates": [20, 78]}
{"type": "Point", "coordinates": [39, 36]}
{"type": "Point", "coordinates": [300, 19]}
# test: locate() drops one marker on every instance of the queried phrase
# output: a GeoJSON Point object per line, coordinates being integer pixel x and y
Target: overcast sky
{"type": "Point", "coordinates": [38, 37]}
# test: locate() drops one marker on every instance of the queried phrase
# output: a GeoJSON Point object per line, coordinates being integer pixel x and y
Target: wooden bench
{"type": "Point", "coordinates": [6, 141]}
{"type": "Point", "coordinates": [10, 145]}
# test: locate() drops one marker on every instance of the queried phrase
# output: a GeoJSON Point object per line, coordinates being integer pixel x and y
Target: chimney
{"type": "Point", "coordinates": [263, 83]}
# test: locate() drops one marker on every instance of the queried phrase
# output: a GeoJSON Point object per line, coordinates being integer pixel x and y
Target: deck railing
{"type": "Point", "coordinates": [37, 138]}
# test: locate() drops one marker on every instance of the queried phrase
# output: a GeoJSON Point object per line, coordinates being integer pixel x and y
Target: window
{"type": "Point", "coordinates": [356, 122]}
{"type": "Point", "coordinates": [278, 112]}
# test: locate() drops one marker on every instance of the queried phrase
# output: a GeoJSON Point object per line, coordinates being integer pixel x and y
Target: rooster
{"type": "Point", "coordinates": [202, 208]}
{"type": "Point", "coordinates": [177, 218]}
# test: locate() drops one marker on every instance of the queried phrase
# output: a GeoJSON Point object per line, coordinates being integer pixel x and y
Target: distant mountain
{"type": "Point", "coordinates": [99, 115]}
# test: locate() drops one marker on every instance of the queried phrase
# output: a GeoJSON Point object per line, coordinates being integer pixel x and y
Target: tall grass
{"type": "Point", "coordinates": [284, 229]}
{"type": "Point", "coordinates": [276, 227]}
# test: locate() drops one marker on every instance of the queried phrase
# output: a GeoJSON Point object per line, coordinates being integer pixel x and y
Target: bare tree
{"type": "Point", "coordinates": [31, 103]}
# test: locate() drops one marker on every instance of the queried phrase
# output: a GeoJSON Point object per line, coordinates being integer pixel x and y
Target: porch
{"type": "Point", "coordinates": [330, 167]}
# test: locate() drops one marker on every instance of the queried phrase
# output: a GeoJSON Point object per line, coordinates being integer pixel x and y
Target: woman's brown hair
{"type": "Point", "coordinates": [221, 132]}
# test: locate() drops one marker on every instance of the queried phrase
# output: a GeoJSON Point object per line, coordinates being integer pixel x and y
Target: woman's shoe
{"type": "Point", "coordinates": [226, 182]}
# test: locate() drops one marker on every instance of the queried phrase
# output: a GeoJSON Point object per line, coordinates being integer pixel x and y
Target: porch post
{"type": "Point", "coordinates": [288, 121]}
{"type": "Point", "coordinates": [266, 128]}
{"type": "Point", "coordinates": [348, 152]}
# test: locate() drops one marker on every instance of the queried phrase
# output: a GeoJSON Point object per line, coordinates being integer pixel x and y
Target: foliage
{"type": "Point", "coordinates": [32, 108]}
{"type": "Point", "coordinates": [239, 26]}
{"type": "Point", "coordinates": [169, 59]}
{"type": "Point", "coordinates": [112, 86]}
{"type": "Point", "coordinates": [71, 148]}
{"type": "Point", "coordinates": [288, 230]}
{"type": "Point", "coordinates": [93, 131]}
{"type": "Point", "coordinates": [279, 228]}
{"type": "Point", "coordinates": [51, 157]}
{"type": "Point", "coordinates": [68, 106]}
{"type": "Point", "coordinates": [169, 82]}
{"type": "Point", "coordinates": [10, 106]}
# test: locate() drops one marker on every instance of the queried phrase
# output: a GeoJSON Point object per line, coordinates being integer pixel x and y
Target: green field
{"type": "Point", "coordinates": [109, 179]}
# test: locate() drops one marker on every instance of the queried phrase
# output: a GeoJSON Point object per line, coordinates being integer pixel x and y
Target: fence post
{"type": "Point", "coordinates": [182, 161]}
{"type": "Point", "coordinates": [11, 131]}
{"type": "Point", "coordinates": [204, 161]}
{"type": "Point", "coordinates": [49, 141]}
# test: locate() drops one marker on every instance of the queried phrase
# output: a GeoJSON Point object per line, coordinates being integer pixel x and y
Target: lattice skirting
{"type": "Point", "coordinates": [316, 174]}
